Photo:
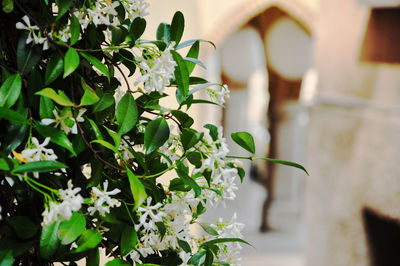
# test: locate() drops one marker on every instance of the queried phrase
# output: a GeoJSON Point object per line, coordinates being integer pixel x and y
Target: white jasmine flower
{"type": "Point", "coordinates": [151, 212]}
{"type": "Point", "coordinates": [135, 8]}
{"type": "Point", "coordinates": [119, 93]}
{"type": "Point", "coordinates": [135, 256]}
{"type": "Point", "coordinates": [218, 94]}
{"type": "Point", "coordinates": [39, 152]}
{"type": "Point", "coordinates": [65, 121]}
{"type": "Point", "coordinates": [157, 71]}
{"type": "Point", "coordinates": [99, 198]}
{"type": "Point", "coordinates": [32, 37]}
{"type": "Point", "coordinates": [72, 201]}
{"type": "Point", "coordinates": [81, 16]}
{"type": "Point", "coordinates": [102, 13]}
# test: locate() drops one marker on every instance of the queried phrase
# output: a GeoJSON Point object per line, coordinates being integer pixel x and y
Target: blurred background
{"type": "Point", "coordinates": [316, 82]}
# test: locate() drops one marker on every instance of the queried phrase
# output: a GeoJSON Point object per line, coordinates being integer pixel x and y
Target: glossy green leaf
{"type": "Point", "coordinates": [61, 98]}
{"type": "Point", "coordinates": [96, 63]}
{"type": "Point", "coordinates": [93, 258]}
{"type": "Point", "coordinates": [194, 158]}
{"type": "Point", "coordinates": [194, 61]}
{"type": "Point", "coordinates": [7, 164]}
{"type": "Point", "coordinates": [117, 262]}
{"type": "Point", "coordinates": [10, 91]}
{"type": "Point", "coordinates": [13, 116]}
{"type": "Point", "coordinates": [177, 27]}
{"type": "Point", "coordinates": [115, 136]}
{"type": "Point", "coordinates": [71, 61]}
{"type": "Point", "coordinates": [128, 240]}
{"type": "Point", "coordinates": [28, 56]}
{"type": "Point", "coordinates": [189, 138]}
{"type": "Point", "coordinates": [185, 246]}
{"type": "Point", "coordinates": [209, 229]}
{"type": "Point", "coordinates": [46, 107]}
{"type": "Point", "coordinates": [105, 101]}
{"type": "Point", "coordinates": [49, 240]}
{"type": "Point", "coordinates": [136, 29]}
{"type": "Point", "coordinates": [126, 114]}
{"type": "Point", "coordinates": [224, 240]}
{"type": "Point", "coordinates": [164, 33]}
{"type": "Point", "coordinates": [71, 229]}
{"type": "Point", "coordinates": [137, 189]}
{"type": "Point", "coordinates": [244, 140]}
{"type": "Point", "coordinates": [23, 226]}
{"type": "Point", "coordinates": [156, 134]}
{"type": "Point", "coordinates": [193, 53]}
{"type": "Point", "coordinates": [181, 75]}
{"type": "Point", "coordinates": [56, 136]}
{"type": "Point", "coordinates": [6, 257]}
{"type": "Point", "coordinates": [54, 68]}
{"type": "Point", "coordinates": [117, 35]}
{"type": "Point", "coordinates": [89, 239]}
{"type": "Point", "coordinates": [189, 181]}
{"type": "Point", "coordinates": [95, 129]}
{"type": "Point", "coordinates": [7, 5]}
{"type": "Point", "coordinates": [288, 163]}
{"type": "Point", "coordinates": [191, 42]}
{"type": "Point", "coordinates": [106, 144]}
{"type": "Point", "coordinates": [213, 131]}
{"type": "Point", "coordinates": [63, 6]}
{"type": "Point", "coordinates": [222, 263]}
{"type": "Point", "coordinates": [197, 258]}
{"type": "Point", "coordinates": [75, 29]}
{"type": "Point", "coordinates": [184, 119]}
{"type": "Point", "coordinates": [209, 258]}
{"type": "Point", "coordinates": [89, 97]}
{"type": "Point", "coordinates": [39, 166]}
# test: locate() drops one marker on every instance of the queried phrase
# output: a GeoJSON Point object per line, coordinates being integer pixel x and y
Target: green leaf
{"type": "Point", "coordinates": [71, 229]}
{"type": "Point", "coordinates": [48, 240]}
{"type": "Point", "coordinates": [244, 140]}
{"type": "Point", "coordinates": [56, 136]}
{"type": "Point", "coordinates": [89, 239]}
{"type": "Point", "coordinates": [177, 26]}
{"type": "Point", "coordinates": [117, 35]}
{"type": "Point", "coordinates": [197, 258]}
{"type": "Point", "coordinates": [39, 166]}
{"type": "Point", "coordinates": [293, 164]}
{"type": "Point", "coordinates": [213, 131]}
{"type": "Point", "coordinates": [209, 229]}
{"type": "Point", "coordinates": [63, 7]}
{"type": "Point", "coordinates": [194, 61]}
{"type": "Point", "coordinates": [184, 119]}
{"type": "Point", "coordinates": [209, 258]}
{"type": "Point", "coordinates": [136, 28]}
{"type": "Point", "coordinates": [23, 226]}
{"type": "Point", "coordinates": [193, 53]}
{"type": "Point", "coordinates": [8, 6]}
{"type": "Point", "coordinates": [117, 262]}
{"type": "Point", "coordinates": [115, 136]}
{"type": "Point", "coordinates": [194, 158]}
{"type": "Point", "coordinates": [218, 262]}
{"type": "Point", "coordinates": [164, 33]}
{"type": "Point", "coordinates": [95, 129]}
{"type": "Point", "coordinates": [13, 116]}
{"type": "Point", "coordinates": [54, 68]}
{"type": "Point", "coordinates": [7, 164]}
{"type": "Point", "coordinates": [126, 114]}
{"type": "Point", "coordinates": [106, 144]}
{"type": "Point", "coordinates": [71, 61]}
{"type": "Point", "coordinates": [46, 107]}
{"type": "Point", "coordinates": [105, 101]}
{"type": "Point", "coordinates": [10, 91]}
{"type": "Point", "coordinates": [181, 76]}
{"type": "Point", "coordinates": [189, 138]}
{"type": "Point", "coordinates": [61, 98]}
{"type": "Point", "coordinates": [97, 64]}
{"type": "Point", "coordinates": [75, 29]}
{"type": "Point", "coordinates": [27, 56]}
{"type": "Point", "coordinates": [137, 189]}
{"type": "Point", "coordinates": [6, 256]}
{"type": "Point", "coordinates": [191, 42]}
{"type": "Point", "coordinates": [93, 258]}
{"type": "Point", "coordinates": [189, 181]}
{"type": "Point", "coordinates": [156, 134]}
{"type": "Point", "coordinates": [185, 246]}
{"type": "Point", "coordinates": [89, 97]}
{"type": "Point", "coordinates": [128, 240]}
{"type": "Point", "coordinates": [224, 240]}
